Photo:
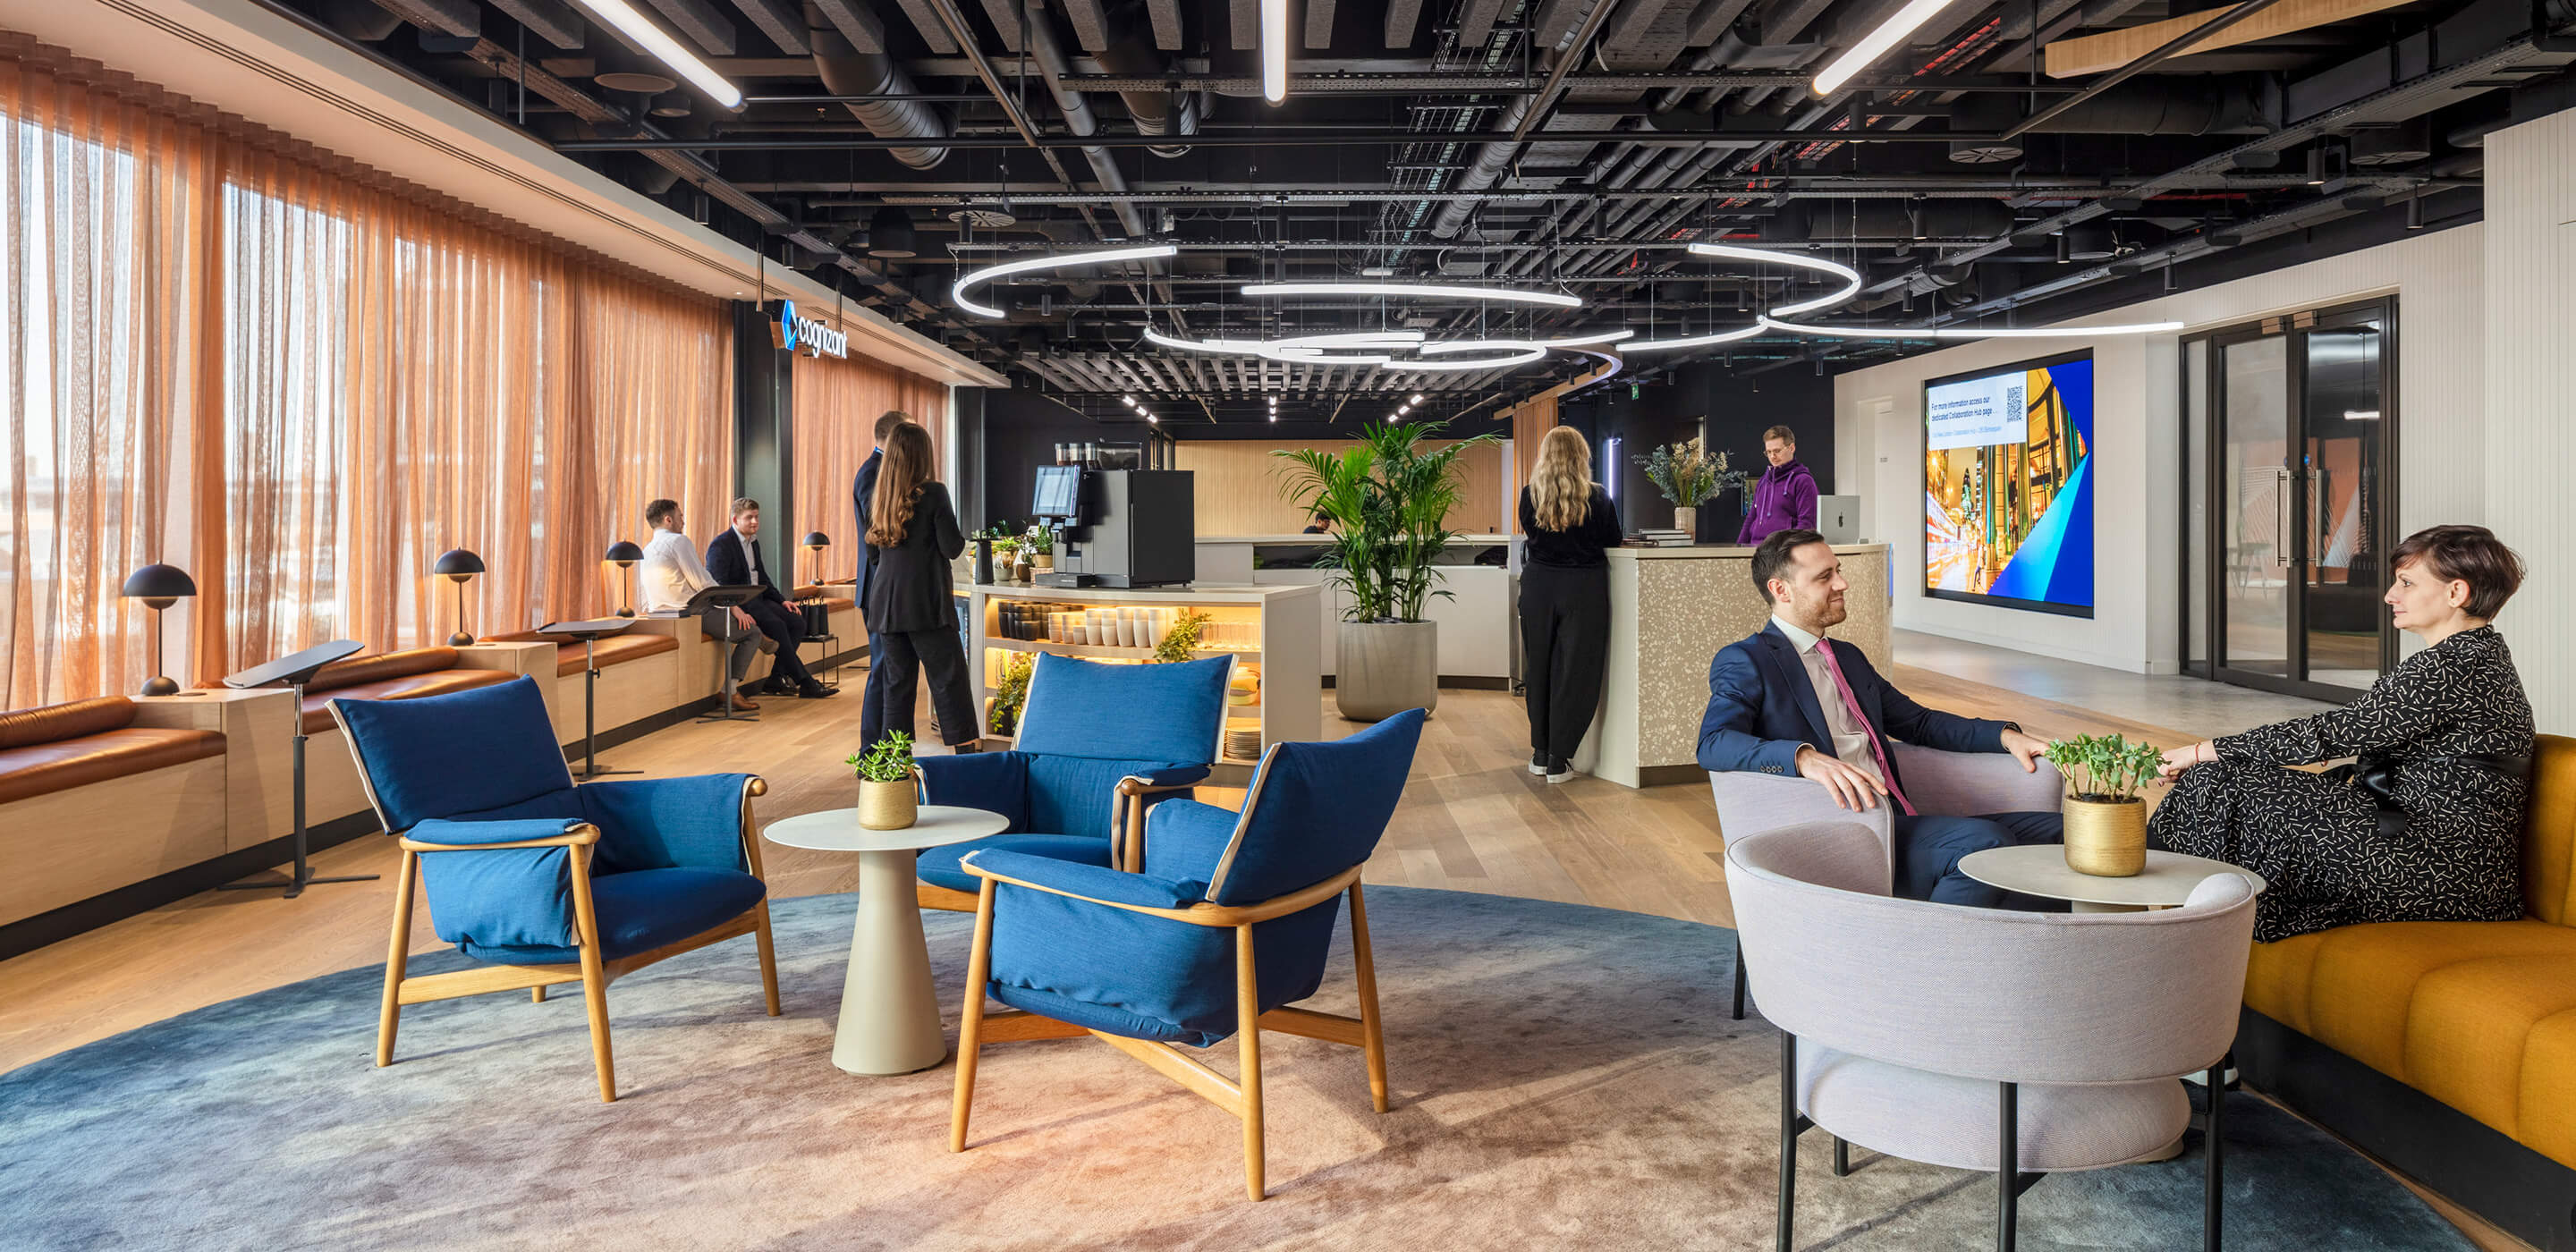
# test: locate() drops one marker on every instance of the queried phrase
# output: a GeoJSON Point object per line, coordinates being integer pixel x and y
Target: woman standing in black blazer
{"type": "Point", "coordinates": [1565, 598]}
{"type": "Point", "coordinates": [911, 610]}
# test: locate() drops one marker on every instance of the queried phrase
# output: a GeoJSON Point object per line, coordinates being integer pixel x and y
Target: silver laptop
{"type": "Point", "coordinates": [1838, 518]}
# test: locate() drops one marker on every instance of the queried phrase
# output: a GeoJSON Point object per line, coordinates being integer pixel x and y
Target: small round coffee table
{"type": "Point", "coordinates": [2039, 869]}
{"type": "Point", "coordinates": [889, 1010]}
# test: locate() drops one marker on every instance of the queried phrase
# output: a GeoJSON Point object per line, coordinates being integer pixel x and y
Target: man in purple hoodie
{"type": "Point", "coordinates": [1785, 497]}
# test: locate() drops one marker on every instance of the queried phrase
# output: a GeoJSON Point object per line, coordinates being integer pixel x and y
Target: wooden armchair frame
{"type": "Point", "coordinates": [1241, 1097]}
{"type": "Point", "coordinates": [1126, 843]}
{"type": "Point", "coordinates": [593, 973]}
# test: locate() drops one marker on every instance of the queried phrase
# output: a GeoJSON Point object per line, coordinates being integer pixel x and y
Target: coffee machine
{"type": "Point", "coordinates": [1118, 528]}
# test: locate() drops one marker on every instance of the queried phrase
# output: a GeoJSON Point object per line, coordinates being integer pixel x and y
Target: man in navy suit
{"type": "Point", "coordinates": [733, 557]}
{"type": "Point", "coordinates": [863, 490]}
{"type": "Point", "coordinates": [1789, 701]}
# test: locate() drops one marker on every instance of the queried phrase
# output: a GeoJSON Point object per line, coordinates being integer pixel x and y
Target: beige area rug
{"type": "Point", "coordinates": [1564, 1077]}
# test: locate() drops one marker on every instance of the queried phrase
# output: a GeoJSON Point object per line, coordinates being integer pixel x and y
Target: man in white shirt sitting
{"type": "Point", "coordinates": [672, 573]}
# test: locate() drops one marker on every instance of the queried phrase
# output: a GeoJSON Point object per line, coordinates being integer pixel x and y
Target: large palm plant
{"type": "Point", "coordinates": [1390, 500]}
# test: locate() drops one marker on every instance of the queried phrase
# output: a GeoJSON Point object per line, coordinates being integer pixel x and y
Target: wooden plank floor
{"type": "Point", "coordinates": [1472, 819]}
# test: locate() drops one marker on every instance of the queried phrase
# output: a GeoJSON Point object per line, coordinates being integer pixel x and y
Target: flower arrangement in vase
{"type": "Point", "coordinates": [1687, 475]}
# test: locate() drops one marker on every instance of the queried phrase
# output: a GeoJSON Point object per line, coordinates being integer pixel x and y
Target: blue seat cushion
{"type": "Point", "coordinates": [938, 866]}
{"type": "Point", "coordinates": [642, 910]}
{"type": "Point", "coordinates": [1146, 977]}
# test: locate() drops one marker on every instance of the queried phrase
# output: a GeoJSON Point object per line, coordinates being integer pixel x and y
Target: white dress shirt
{"type": "Point", "coordinates": [672, 572]}
{"type": "Point", "coordinates": [1851, 738]}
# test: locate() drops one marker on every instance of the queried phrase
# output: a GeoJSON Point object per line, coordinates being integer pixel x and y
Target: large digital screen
{"type": "Point", "coordinates": [2007, 499]}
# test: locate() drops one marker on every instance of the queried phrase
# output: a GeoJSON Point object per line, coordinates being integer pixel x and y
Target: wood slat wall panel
{"type": "Point", "coordinates": [1238, 486]}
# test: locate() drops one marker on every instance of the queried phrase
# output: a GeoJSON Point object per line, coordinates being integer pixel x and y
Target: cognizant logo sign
{"type": "Point", "coordinates": [804, 334]}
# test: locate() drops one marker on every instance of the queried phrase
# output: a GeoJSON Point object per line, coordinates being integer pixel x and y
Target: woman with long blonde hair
{"type": "Point", "coordinates": [911, 610]}
{"type": "Point", "coordinates": [1567, 521]}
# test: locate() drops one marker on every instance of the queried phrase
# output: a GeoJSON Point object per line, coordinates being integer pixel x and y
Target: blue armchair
{"type": "Point", "coordinates": [1149, 961]}
{"type": "Point", "coordinates": [542, 881]}
{"type": "Point", "coordinates": [1099, 744]}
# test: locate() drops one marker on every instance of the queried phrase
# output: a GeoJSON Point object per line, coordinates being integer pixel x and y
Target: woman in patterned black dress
{"type": "Point", "coordinates": [2453, 722]}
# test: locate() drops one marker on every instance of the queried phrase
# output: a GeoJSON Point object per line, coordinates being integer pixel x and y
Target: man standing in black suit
{"type": "Point", "coordinates": [733, 557]}
{"type": "Point", "coordinates": [861, 489]}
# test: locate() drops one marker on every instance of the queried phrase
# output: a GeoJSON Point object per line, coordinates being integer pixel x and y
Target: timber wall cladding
{"type": "Point", "coordinates": [1239, 487]}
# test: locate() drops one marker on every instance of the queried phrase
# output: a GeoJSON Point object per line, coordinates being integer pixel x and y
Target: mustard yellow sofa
{"type": "Point", "coordinates": [2465, 1025]}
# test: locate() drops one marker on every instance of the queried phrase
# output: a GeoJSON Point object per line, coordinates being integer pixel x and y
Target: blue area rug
{"type": "Point", "coordinates": [1563, 1077]}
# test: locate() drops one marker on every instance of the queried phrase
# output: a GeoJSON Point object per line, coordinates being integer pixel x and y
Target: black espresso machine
{"type": "Point", "coordinates": [1118, 528]}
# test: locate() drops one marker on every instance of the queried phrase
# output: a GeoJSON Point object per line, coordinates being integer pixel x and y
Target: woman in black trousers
{"type": "Point", "coordinates": [911, 609]}
{"type": "Point", "coordinates": [1565, 598]}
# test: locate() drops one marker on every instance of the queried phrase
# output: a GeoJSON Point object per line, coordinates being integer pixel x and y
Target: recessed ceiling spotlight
{"type": "Point", "coordinates": [1428, 291]}
{"type": "Point", "coordinates": [1377, 271]}
{"type": "Point", "coordinates": [1417, 398]}
{"type": "Point", "coordinates": [957, 292]}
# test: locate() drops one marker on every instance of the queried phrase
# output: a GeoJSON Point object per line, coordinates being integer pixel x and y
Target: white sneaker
{"type": "Point", "coordinates": [1560, 770]}
{"type": "Point", "coordinates": [1538, 764]}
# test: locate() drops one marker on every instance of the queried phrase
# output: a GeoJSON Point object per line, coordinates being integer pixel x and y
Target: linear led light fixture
{"type": "Point", "coordinates": [1292, 354]}
{"type": "Point", "coordinates": [1274, 50]}
{"type": "Point", "coordinates": [620, 14]}
{"type": "Point", "coordinates": [1876, 44]}
{"type": "Point", "coordinates": [957, 292]}
{"type": "Point", "coordinates": [1428, 291]}
{"type": "Point", "coordinates": [1693, 341]}
{"type": "Point", "coordinates": [2042, 332]}
{"type": "Point", "coordinates": [1520, 354]}
{"type": "Point", "coordinates": [1765, 256]}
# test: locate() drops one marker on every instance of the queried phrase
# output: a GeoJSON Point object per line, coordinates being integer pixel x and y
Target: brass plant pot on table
{"type": "Point", "coordinates": [889, 805]}
{"type": "Point", "coordinates": [2106, 838]}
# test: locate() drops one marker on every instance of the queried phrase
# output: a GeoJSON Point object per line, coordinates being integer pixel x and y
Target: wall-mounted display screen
{"type": "Point", "coordinates": [2007, 499]}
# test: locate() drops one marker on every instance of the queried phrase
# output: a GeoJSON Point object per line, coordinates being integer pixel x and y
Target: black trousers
{"type": "Point", "coordinates": [1565, 645]}
{"type": "Point", "coordinates": [787, 629]}
{"type": "Point", "coordinates": [894, 685]}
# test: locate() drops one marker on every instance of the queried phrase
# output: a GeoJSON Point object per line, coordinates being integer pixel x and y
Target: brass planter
{"type": "Point", "coordinates": [2107, 839]}
{"type": "Point", "coordinates": [889, 805]}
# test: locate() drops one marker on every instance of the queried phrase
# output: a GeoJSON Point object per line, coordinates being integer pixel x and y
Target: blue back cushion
{"type": "Point", "coordinates": [1316, 809]}
{"type": "Point", "coordinates": [1125, 712]}
{"type": "Point", "coordinates": [1077, 795]}
{"type": "Point", "coordinates": [490, 748]}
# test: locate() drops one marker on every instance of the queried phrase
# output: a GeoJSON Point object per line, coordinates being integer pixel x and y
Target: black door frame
{"type": "Point", "coordinates": [2206, 461]}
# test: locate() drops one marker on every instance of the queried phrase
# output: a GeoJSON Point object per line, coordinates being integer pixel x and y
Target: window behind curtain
{"type": "Point", "coordinates": [837, 403]}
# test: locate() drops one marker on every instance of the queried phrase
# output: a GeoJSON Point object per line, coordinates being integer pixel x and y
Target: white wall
{"type": "Point", "coordinates": [2530, 365]}
{"type": "Point", "coordinates": [2441, 376]}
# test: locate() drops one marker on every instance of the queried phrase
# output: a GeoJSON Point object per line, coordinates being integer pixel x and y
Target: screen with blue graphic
{"type": "Point", "coordinates": [2007, 469]}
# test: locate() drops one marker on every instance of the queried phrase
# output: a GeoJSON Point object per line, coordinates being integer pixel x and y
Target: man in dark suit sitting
{"type": "Point", "coordinates": [733, 557]}
{"type": "Point", "coordinates": [1789, 701]}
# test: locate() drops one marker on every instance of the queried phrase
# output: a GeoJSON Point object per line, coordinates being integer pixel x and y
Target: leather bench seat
{"type": "Point", "coordinates": [398, 675]}
{"type": "Point", "coordinates": [61, 746]}
{"type": "Point", "coordinates": [2478, 1015]}
{"type": "Point", "coordinates": [613, 650]}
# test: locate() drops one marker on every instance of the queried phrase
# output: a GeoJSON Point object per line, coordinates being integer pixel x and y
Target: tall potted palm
{"type": "Point", "coordinates": [1389, 499]}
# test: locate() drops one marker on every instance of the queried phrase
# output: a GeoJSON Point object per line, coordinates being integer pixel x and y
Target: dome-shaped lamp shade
{"type": "Point", "coordinates": [818, 540]}
{"type": "Point", "coordinates": [890, 233]}
{"type": "Point", "coordinates": [624, 553]}
{"type": "Point", "coordinates": [159, 582]}
{"type": "Point", "coordinates": [457, 563]}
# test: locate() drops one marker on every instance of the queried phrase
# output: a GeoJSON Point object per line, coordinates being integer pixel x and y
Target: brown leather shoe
{"type": "Point", "coordinates": [741, 705]}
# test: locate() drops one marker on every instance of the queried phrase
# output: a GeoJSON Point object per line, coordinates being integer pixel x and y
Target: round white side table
{"type": "Point", "coordinates": [2039, 869]}
{"type": "Point", "coordinates": [889, 1011]}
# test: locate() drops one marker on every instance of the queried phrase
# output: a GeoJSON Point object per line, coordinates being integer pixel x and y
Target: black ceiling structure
{"type": "Point", "coordinates": [1571, 146]}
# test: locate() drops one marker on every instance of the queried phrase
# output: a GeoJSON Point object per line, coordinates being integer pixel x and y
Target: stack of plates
{"type": "Point", "coordinates": [1243, 745]}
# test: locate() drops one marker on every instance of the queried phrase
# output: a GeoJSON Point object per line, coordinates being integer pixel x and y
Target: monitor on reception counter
{"type": "Point", "coordinates": [2007, 499]}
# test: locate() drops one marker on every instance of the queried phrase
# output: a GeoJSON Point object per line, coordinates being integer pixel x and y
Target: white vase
{"type": "Point", "coordinates": [1386, 668]}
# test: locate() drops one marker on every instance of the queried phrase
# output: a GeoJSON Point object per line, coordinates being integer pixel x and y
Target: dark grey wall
{"type": "Point", "coordinates": [1017, 433]}
{"type": "Point", "coordinates": [1735, 409]}
{"type": "Point", "coordinates": [764, 433]}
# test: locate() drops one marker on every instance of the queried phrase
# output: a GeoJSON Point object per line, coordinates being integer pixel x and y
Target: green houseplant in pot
{"type": "Point", "coordinates": [889, 793]}
{"type": "Point", "coordinates": [1389, 499]}
{"type": "Point", "coordinates": [1039, 543]}
{"type": "Point", "coordinates": [2105, 805]}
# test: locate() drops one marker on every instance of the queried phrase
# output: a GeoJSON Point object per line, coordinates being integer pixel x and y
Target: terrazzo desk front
{"type": "Point", "coordinates": [1671, 609]}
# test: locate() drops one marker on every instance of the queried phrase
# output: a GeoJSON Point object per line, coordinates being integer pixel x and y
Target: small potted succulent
{"type": "Point", "coordinates": [889, 786]}
{"type": "Point", "coordinates": [2106, 812]}
{"type": "Point", "coordinates": [1039, 543]}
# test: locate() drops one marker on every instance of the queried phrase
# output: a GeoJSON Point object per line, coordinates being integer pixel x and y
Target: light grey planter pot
{"type": "Point", "coordinates": [1386, 668]}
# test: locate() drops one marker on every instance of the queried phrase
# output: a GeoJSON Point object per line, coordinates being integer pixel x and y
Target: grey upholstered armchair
{"type": "Point", "coordinates": [1987, 1039]}
{"type": "Point", "coordinates": [1952, 784]}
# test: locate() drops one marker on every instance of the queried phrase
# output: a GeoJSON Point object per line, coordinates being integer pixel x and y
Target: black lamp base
{"type": "Point", "coordinates": [161, 685]}
{"type": "Point", "coordinates": [626, 612]}
{"type": "Point", "coordinates": [460, 640]}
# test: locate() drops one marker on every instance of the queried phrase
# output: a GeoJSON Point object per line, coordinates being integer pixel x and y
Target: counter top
{"type": "Point", "coordinates": [1233, 593]}
{"type": "Point", "coordinates": [1727, 551]}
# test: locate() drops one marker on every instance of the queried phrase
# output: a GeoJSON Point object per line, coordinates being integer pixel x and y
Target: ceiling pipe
{"type": "Point", "coordinates": [1051, 62]}
{"type": "Point", "coordinates": [1156, 112]}
{"type": "Point", "coordinates": [850, 72]}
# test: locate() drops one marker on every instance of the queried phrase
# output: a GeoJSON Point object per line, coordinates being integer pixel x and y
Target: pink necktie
{"type": "Point", "coordinates": [1876, 752]}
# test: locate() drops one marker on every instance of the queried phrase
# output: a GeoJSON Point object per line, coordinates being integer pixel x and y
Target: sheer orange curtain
{"type": "Point", "coordinates": [302, 381]}
{"type": "Point", "coordinates": [837, 403]}
{"type": "Point", "coordinates": [100, 199]}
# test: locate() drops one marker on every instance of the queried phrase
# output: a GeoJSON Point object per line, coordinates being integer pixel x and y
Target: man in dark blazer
{"type": "Point", "coordinates": [1788, 701]}
{"type": "Point", "coordinates": [862, 490]}
{"type": "Point", "coordinates": [733, 557]}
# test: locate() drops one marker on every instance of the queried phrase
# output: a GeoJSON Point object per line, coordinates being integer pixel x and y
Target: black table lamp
{"type": "Point", "coordinates": [459, 566]}
{"type": "Point", "coordinates": [815, 543]}
{"type": "Point", "coordinates": [624, 555]}
{"type": "Point", "coordinates": [159, 587]}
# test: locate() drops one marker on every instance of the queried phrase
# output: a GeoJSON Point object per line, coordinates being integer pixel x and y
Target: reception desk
{"type": "Point", "coordinates": [1671, 609]}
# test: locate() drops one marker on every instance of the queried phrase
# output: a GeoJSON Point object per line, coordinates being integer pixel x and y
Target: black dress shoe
{"type": "Point", "coordinates": [777, 687]}
{"type": "Point", "coordinates": [815, 691]}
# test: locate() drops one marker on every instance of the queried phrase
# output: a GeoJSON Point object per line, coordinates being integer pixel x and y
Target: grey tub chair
{"type": "Point", "coordinates": [1988, 1039]}
{"type": "Point", "coordinates": [1949, 784]}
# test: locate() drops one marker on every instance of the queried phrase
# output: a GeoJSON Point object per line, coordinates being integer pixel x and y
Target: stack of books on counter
{"type": "Point", "coordinates": [1657, 539]}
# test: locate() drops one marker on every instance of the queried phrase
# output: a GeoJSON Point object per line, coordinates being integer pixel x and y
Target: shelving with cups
{"type": "Point", "coordinates": [1270, 634]}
